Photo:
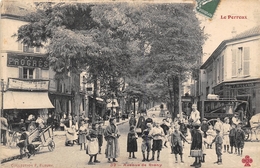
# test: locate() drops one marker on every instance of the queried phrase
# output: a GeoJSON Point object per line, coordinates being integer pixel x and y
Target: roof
{"type": "Point", "coordinates": [16, 8]}
{"type": "Point", "coordinates": [255, 31]}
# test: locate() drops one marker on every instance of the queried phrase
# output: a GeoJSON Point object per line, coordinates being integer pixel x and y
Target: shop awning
{"type": "Point", "coordinates": [112, 103]}
{"type": "Point", "coordinates": [26, 100]}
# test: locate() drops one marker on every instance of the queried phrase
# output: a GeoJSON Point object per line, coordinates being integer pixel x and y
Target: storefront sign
{"type": "Point", "coordinates": [243, 85]}
{"type": "Point", "coordinates": [28, 85]}
{"type": "Point", "coordinates": [27, 61]}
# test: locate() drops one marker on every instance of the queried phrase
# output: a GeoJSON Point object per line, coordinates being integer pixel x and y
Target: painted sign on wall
{"type": "Point", "coordinates": [28, 84]}
{"type": "Point", "coordinates": [15, 60]}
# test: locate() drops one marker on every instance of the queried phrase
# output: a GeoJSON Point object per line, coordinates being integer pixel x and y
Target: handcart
{"type": "Point", "coordinates": [42, 138]}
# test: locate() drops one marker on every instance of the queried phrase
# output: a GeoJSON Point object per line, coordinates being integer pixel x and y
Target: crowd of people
{"type": "Point", "coordinates": [155, 136]}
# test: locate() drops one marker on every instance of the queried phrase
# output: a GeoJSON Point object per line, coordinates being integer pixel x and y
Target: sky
{"type": "Point", "coordinates": [220, 29]}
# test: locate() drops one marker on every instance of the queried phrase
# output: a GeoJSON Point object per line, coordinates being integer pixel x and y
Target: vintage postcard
{"type": "Point", "coordinates": [131, 83]}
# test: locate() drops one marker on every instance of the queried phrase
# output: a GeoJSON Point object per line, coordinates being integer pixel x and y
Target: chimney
{"type": "Point", "coordinates": [234, 32]}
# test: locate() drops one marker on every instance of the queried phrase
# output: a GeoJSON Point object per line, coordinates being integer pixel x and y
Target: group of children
{"type": "Point", "coordinates": [226, 135]}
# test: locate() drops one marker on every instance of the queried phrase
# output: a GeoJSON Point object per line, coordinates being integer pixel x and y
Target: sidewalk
{"type": "Point", "coordinates": [11, 153]}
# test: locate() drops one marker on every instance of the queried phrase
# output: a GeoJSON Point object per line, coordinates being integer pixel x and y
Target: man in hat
{"type": "Point", "coordinates": [111, 135]}
{"type": "Point", "coordinates": [226, 129]}
{"type": "Point", "coordinates": [204, 127]}
{"type": "Point", "coordinates": [218, 146]}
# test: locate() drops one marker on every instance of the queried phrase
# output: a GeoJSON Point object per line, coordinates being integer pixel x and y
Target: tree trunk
{"type": "Point", "coordinates": [175, 88]}
{"type": "Point", "coordinates": [171, 103]}
{"type": "Point", "coordinates": [94, 99]}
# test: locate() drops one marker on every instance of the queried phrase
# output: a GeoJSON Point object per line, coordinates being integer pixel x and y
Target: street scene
{"type": "Point", "coordinates": [130, 84]}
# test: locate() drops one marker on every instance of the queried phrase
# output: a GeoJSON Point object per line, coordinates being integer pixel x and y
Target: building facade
{"type": "Point", "coordinates": [232, 70]}
{"type": "Point", "coordinates": [24, 71]}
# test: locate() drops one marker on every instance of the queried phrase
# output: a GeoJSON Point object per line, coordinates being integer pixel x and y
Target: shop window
{"type": "Point", "coordinates": [27, 73]}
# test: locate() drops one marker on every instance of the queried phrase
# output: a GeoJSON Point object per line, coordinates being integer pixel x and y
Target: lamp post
{"type": "Point", "coordinates": [2, 97]}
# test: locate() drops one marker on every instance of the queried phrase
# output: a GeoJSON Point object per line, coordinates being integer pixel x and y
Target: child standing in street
{"type": "Point", "coordinates": [176, 141]}
{"type": "Point", "coordinates": [132, 142]}
{"type": "Point", "coordinates": [92, 149]}
{"type": "Point", "coordinates": [218, 146]}
{"type": "Point", "coordinates": [82, 135]}
{"type": "Point", "coordinates": [240, 140]}
{"type": "Point", "coordinates": [226, 129]}
{"type": "Point", "coordinates": [146, 143]}
{"type": "Point", "coordinates": [210, 136]}
{"type": "Point", "coordinates": [100, 131]}
{"type": "Point", "coordinates": [232, 139]}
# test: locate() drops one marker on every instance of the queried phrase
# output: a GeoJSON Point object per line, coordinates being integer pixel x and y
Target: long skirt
{"type": "Point", "coordinates": [93, 147]}
{"type": "Point", "coordinates": [112, 148]}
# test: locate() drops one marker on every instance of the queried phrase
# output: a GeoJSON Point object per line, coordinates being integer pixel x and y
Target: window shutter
{"type": "Point", "coordinates": [246, 61]}
{"type": "Point", "coordinates": [20, 46]}
{"type": "Point", "coordinates": [20, 72]}
{"type": "Point", "coordinates": [38, 73]}
{"type": "Point", "coordinates": [234, 56]}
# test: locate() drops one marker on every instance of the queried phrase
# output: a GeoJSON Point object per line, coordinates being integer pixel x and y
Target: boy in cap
{"type": "Point", "coordinates": [232, 140]}
{"type": "Point", "coordinates": [240, 139]}
{"type": "Point", "coordinates": [226, 129]}
{"type": "Point", "coordinates": [218, 146]}
{"type": "Point", "coordinates": [146, 143]}
{"type": "Point", "coordinates": [204, 127]}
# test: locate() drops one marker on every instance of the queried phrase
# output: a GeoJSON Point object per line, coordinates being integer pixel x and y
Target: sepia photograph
{"type": "Point", "coordinates": [130, 83]}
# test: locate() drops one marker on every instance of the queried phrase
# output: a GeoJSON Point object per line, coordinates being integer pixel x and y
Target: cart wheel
{"type": "Point", "coordinates": [212, 122]}
{"type": "Point", "coordinates": [247, 132]}
{"type": "Point", "coordinates": [51, 146]}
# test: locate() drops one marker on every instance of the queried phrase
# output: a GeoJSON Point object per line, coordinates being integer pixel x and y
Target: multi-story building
{"type": "Point", "coordinates": [24, 70]}
{"type": "Point", "coordinates": [29, 82]}
{"type": "Point", "coordinates": [232, 70]}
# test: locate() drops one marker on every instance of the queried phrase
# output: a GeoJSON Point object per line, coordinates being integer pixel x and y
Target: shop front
{"type": "Point", "coordinates": [25, 99]}
{"type": "Point", "coordinates": [246, 90]}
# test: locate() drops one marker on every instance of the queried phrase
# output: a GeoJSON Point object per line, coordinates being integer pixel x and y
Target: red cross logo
{"type": "Point", "coordinates": [247, 160]}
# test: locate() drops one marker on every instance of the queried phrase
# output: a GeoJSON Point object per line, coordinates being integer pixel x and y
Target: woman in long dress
{"type": "Point", "coordinates": [111, 136]}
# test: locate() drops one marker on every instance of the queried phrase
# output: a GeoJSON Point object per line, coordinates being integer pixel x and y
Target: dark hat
{"type": "Point", "coordinates": [23, 129]}
{"type": "Point", "coordinates": [204, 119]}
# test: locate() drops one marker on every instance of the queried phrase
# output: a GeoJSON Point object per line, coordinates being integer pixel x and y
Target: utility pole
{"type": "Point", "coordinates": [2, 97]}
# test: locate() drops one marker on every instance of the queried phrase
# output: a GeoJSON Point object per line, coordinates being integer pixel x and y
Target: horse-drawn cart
{"type": "Point", "coordinates": [221, 108]}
